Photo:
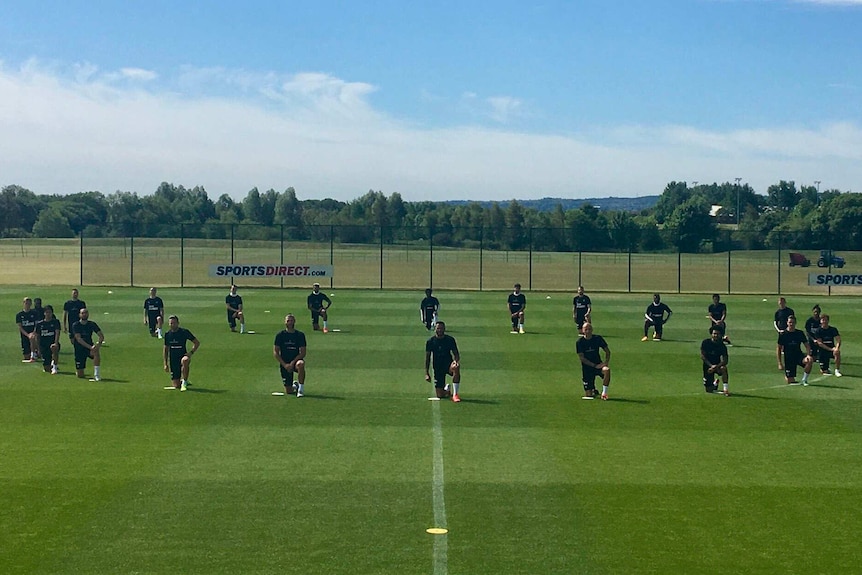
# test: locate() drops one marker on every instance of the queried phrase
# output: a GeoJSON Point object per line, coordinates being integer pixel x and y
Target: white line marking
{"type": "Point", "coordinates": [750, 389]}
{"type": "Point", "coordinates": [441, 542]}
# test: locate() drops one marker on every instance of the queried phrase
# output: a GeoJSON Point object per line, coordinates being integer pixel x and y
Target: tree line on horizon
{"type": "Point", "coordinates": [685, 218]}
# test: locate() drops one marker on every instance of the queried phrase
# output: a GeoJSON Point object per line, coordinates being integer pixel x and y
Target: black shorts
{"type": "Point", "coordinates": [25, 344]}
{"type": "Point", "coordinates": [231, 320]}
{"type": "Point", "coordinates": [315, 316]}
{"type": "Point", "coordinates": [709, 376]}
{"type": "Point", "coordinates": [152, 319]}
{"type": "Point", "coordinates": [589, 373]}
{"type": "Point", "coordinates": [82, 354]}
{"type": "Point", "coordinates": [46, 352]}
{"type": "Point", "coordinates": [286, 375]}
{"type": "Point", "coordinates": [823, 357]}
{"type": "Point", "coordinates": [790, 365]}
{"type": "Point", "coordinates": [440, 373]}
{"type": "Point", "coordinates": [175, 364]}
{"type": "Point", "coordinates": [580, 320]}
{"type": "Point", "coordinates": [721, 326]}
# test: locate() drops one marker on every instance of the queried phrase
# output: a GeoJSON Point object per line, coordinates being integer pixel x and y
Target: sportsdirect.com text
{"type": "Point", "coordinates": [265, 270]}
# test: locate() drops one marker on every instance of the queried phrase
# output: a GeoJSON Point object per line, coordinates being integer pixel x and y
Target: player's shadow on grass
{"type": "Point", "coordinates": [315, 396]}
{"type": "Point", "coordinates": [197, 389]}
{"type": "Point", "coordinates": [750, 396]}
{"type": "Point", "coordinates": [479, 401]}
{"type": "Point", "coordinates": [624, 400]}
{"type": "Point", "coordinates": [823, 385]}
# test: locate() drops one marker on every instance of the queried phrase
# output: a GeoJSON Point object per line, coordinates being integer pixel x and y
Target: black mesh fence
{"type": "Point", "coordinates": [466, 258]}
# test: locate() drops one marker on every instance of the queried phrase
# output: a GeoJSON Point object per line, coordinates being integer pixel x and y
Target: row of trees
{"type": "Point", "coordinates": [684, 218]}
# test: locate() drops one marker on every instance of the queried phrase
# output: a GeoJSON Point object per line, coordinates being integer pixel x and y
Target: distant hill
{"type": "Point", "coordinates": [548, 204]}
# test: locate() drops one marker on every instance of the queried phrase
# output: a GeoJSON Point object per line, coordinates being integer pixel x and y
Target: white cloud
{"type": "Point", "coordinates": [85, 129]}
{"type": "Point", "coordinates": [138, 74]}
{"type": "Point", "coordinates": [500, 109]}
{"type": "Point", "coordinates": [504, 107]}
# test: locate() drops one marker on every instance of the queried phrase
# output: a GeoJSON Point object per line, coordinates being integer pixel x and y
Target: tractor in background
{"type": "Point", "coordinates": [828, 258]}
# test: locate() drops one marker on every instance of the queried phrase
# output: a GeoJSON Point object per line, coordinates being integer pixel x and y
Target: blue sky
{"type": "Point", "coordinates": [433, 100]}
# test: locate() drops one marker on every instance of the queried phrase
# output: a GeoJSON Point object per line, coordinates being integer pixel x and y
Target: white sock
{"type": "Point", "coordinates": [299, 387]}
{"type": "Point", "coordinates": [96, 371]}
{"type": "Point", "coordinates": [241, 327]}
{"type": "Point", "coordinates": [725, 386]}
{"type": "Point", "coordinates": [324, 323]}
{"type": "Point", "coordinates": [455, 387]}
{"type": "Point", "coordinates": [604, 390]}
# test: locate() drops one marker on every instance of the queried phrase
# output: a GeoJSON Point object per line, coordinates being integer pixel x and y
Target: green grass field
{"type": "Point", "coordinates": [122, 476]}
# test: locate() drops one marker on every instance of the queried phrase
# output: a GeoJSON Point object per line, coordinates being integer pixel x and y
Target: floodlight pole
{"type": "Point", "coordinates": [737, 201]}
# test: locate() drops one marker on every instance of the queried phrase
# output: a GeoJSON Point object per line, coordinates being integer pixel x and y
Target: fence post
{"type": "Point", "coordinates": [132, 261]}
{"type": "Point", "coordinates": [430, 257]}
{"type": "Point", "coordinates": [332, 254]}
{"type": "Point", "coordinates": [481, 255]}
{"type": "Point", "coordinates": [779, 263]}
{"type": "Point", "coordinates": [232, 226]}
{"type": "Point", "coordinates": [580, 266]}
{"type": "Point", "coordinates": [182, 255]}
{"type": "Point", "coordinates": [281, 251]}
{"type": "Point", "coordinates": [381, 256]}
{"type": "Point", "coordinates": [830, 245]}
{"type": "Point", "coordinates": [630, 269]}
{"type": "Point", "coordinates": [679, 271]}
{"type": "Point", "coordinates": [81, 259]}
{"type": "Point", "coordinates": [530, 272]}
{"type": "Point", "coordinates": [728, 268]}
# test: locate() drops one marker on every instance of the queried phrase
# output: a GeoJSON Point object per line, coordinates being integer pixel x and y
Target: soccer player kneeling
{"type": "Point", "coordinates": [591, 362]}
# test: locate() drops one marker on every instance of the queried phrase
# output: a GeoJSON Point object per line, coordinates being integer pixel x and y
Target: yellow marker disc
{"type": "Point", "coordinates": [437, 531]}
